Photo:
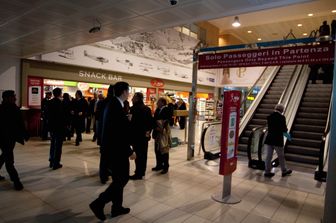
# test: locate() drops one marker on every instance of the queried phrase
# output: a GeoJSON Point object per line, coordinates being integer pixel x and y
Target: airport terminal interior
{"type": "Point", "coordinates": [223, 71]}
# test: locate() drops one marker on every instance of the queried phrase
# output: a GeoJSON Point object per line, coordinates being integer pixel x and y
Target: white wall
{"type": "Point", "coordinates": [10, 76]}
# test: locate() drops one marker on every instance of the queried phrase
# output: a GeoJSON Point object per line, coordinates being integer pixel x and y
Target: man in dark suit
{"type": "Point", "coordinates": [57, 125]}
{"type": "Point", "coordinates": [141, 126]}
{"type": "Point", "coordinates": [12, 130]}
{"type": "Point", "coordinates": [116, 144]}
{"type": "Point", "coordinates": [44, 116]}
{"type": "Point", "coordinates": [80, 110]}
{"type": "Point", "coordinates": [274, 141]}
{"type": "Point", "coordinates": [161, 113]}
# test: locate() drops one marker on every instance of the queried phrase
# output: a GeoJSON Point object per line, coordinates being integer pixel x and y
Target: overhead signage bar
{"type": "Point", "coordinates": [307, 54]}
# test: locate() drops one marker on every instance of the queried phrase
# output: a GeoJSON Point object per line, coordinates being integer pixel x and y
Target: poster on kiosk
{"type": "Point", "coordinates": [230, 131]}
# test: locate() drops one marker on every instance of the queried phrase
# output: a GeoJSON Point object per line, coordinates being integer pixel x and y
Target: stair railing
{"type": "Point", "coordinates": [320, 174]}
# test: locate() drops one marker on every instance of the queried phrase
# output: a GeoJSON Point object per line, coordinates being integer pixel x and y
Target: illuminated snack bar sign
{"type": "Point", "coordinates": [308, 54]}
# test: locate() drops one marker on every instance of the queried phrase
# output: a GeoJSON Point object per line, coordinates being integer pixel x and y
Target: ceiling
{"type": "Point", "coordinates": [274, 24]}
{"type": "Point", "coordinates": [33, 27]}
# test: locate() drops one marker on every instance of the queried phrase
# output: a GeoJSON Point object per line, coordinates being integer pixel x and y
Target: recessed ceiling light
{"type": "Point", "coordinates": [310, 14]}
{"type": "Point", "coordinates": [299, 25]}
{"type": "Point", "coordinates": [333, 11]}
{"type": "Point", "coordinates": [249, 31]}
{"type": "Point", "coordinates": [305, 34]}
{"type": "Point", "coordinates": [259, 39]}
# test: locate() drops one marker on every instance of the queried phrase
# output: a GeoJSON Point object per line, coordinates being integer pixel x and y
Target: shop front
{"type": "Point", "coordinates": [41, 77]}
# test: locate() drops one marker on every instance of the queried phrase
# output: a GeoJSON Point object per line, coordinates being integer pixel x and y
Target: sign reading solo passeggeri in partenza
{"type": "Point", "coordinates": [308, 54]}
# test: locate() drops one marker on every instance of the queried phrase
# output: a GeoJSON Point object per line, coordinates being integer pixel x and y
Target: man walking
{"type": "Point", "coordinates": [141, 126]}
{"type": "Point", "coordinates": [12, 130]}
{"type": "Point", "coordinates": [57, 126]}
{"type": "Point", "coordinates": [115, 143]}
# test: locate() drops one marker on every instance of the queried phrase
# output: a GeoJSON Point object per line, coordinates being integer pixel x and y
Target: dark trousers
{"type": "Point", "coordinates": [95, 129]}
{"type": "Point", "coordinates": [182, 121]}
{"type": "Point", "coordinates": [162, 160]}
{"type": "Point", "coordinates": [7, 158]}
{"type": "Point", "coordinates": [88, 124]}
{"type": "Point", "coordinates": [45, 129]}
{"type": "Point", "coordinates": [56, 148]}
{"type": "Point", "coordinates": [103, 166]}
{"type": "Point", "coordinates": [78, 135]}
{"type": "Point", "coordinates": [141, 149]}
{"type": "Point", "coordinates": [120, 177]}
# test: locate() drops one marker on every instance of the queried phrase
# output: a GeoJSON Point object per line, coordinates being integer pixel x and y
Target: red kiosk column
{"type": "Point", "coordinates": [229, 144]}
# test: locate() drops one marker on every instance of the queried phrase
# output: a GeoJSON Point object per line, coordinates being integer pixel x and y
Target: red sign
{"type": "Point", "coordinates": [230, 131]}
{"type": "Point", "coordinates": [308, 54]}
{"type": "Point", "coordinates": [157, 83]}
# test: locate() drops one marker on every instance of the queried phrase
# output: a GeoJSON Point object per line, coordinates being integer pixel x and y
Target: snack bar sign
{"type": "Point", "coordinates": [308, 54]}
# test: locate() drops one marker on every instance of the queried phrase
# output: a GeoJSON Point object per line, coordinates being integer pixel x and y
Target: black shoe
{"type": "Point", "coordinates": [135, 177]}
{"type": "Point", "coordinates": [157, 168]}
{"type": "Point", "coordinates": [2, 178]}
{"type": "Point", "coordinates": [119, 211]}
{"type": "Point", "coordinates": [55, 167]}
{"type": "Point", "coordinates": [287, 172]}
{"type": "Point", "coordinates": [77, 143]}
{"type": "Point", "coordinates": [50, 164]}
{"type": "Point", "coordinates": [18, 185]}
{"type": "Point", "coordinates": [164, 171]}
{"type": "Point", "coordinates": [98, 210]}
{"type": "Point", "coordinates": [269, 175]}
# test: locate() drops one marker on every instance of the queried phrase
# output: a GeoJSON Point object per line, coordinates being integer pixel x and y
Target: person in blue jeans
{"type": "Point", "coordinates": [57, 125]}
{"type": "Point", "coordinates": [277, 128]}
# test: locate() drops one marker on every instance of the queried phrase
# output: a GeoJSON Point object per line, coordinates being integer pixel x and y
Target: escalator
{"type": "Point", "coordinates": [273, 95]}
{"type": "Point", "coordinates": [309, 125]}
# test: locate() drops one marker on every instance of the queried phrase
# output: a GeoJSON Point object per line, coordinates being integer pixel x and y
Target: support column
{"type": "Point", "coordinates": [192, 108]}
{"type": "Point", "coordinates": [330, 195]}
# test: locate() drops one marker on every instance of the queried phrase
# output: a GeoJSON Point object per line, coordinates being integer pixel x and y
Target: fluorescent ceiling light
{"type": "Point", "coordinates": [299, 25]}
{"type": "Point", "coordinates": [259, 39]}
{"type": "Point", "coordinates": [310, 14]}
{"type": "Point", "coordinates": [333, 11]}
{"type": "Point", "coordinates": [236, 22]}
{"type": "Point", "coordinates": [305, 34]}
{"type": "Point", "coordinates": [249, 31]}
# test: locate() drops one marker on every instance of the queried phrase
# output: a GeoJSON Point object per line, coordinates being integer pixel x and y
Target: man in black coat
{"type": "Point", "coordinates": [275, 141]}
{"type": "Point", "coordinates": [80, 110]}
{"type": "Point", "coordinates": [141, 126]}
{"type": "Point", "coordinates": [57, 125]}
{"type": "Point", "coordinates": [161, 113]}
{"type": "Point", "coordinates": [116, 144]}
{"type": "Point", "coordinates": [12, 130]}
{"type": "Point", "coordinates": [44, 115]}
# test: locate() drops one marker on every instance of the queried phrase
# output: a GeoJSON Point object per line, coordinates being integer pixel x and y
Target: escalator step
{"type": "Point", "coordinates": [264, 111]}
{"type": "Point", "coordinates": [309, 128]}
{"type": "Point", "coordinates": [308, 151]}
{"type": "Point", "coordinates": [314, 110]}
{"type": "Point", "coordinates": [261, 116]}
{"type": "Point", "coordinates": [302, 158]}
{"type": "Point", "coordinates": [307, 135]}
{"type": "Point", "coordinates": [269, 106]}
{"type": "Point", "coordinates": [259, 121]}
{"type": "Point", "coordinates": [242, 147]}
{"type": "Point", "coordinates": [316, 99]}
{"type": "Point", "coordinates": [243, 140]}
{"type": "Point", "coordinates": [315, 104]}
{"type": "Point", "coordinates": [312, 115]}
{"type": "Point", "coordinates": [317, 94]}
{"type": "Point", "coordinates": [306, 142]}
{"type": "Point", "coordinates": [306, 121]}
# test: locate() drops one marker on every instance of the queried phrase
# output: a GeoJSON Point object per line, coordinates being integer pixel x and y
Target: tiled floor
{"type": "Point", "coordinates": [183, 195]}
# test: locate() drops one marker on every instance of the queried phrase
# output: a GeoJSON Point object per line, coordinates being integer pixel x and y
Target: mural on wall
{"type": "Point", "coordinates": [165, 54]}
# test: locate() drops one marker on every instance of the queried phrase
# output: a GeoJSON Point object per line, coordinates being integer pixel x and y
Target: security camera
{"type": "Point", "coordinates": [173, 2]}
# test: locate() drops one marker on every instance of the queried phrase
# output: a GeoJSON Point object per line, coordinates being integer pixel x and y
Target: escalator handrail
{"type": "Point", "coordinates": [253, 86]}
{"type": "Point", "coordinates": [286, 88]}
{"type": "Point", "coordinates": [298, 70]}
{"type": "Point", "coordinates": [249, 143]}
{"type": "Point", "coordinates": [203, 135]}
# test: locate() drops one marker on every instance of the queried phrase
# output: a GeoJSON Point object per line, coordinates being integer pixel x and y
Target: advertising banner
{"type": "Point", "coordinates": [308, 54]}
{"type": "Point", "coordinates": [230, 130]}
{"type": "Point", "coordinates": [34, 91]}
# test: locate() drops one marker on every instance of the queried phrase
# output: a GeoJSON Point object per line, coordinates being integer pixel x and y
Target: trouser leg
{"type": "Point", "coordinates": [52, 148]}
{"type": "Point", "coordinates": [165, 160]}
{"type": "Point", "coordinates": [158, 155]}
{"type": "Point", "coordinates": [141, 150]}
{"type": "Point", "coordinates": [103, 169]}
{"type": "Point", "coordinates": [269, 154]}
{"type": "Point", "coordinates": [88, 124]}
{"type": "Point", "coordinates": [281, 156]}
{"type": "Point", "coordinates": [8, 157]}
{"type": "Point", "coordinates": [58, 149]}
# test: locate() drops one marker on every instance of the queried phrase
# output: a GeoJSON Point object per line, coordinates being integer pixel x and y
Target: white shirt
{"type": "Point", "coordinates": [121, 102]}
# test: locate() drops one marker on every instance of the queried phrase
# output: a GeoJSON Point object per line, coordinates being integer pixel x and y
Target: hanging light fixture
{"type": "Point", "coordinates": [236, 22]}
